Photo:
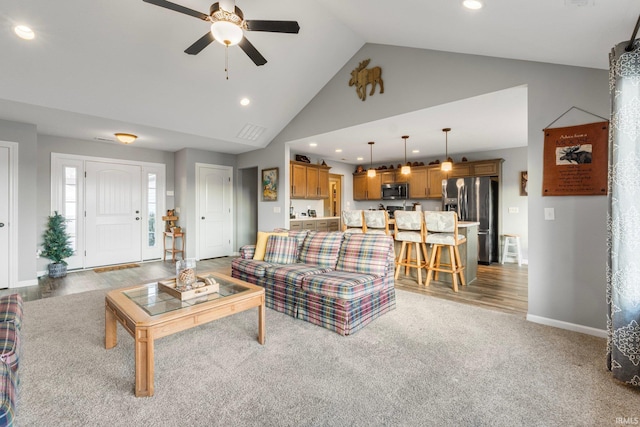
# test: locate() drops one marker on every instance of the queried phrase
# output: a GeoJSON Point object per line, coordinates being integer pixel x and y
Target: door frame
{"type": "Point", "coordinates": [58, 161]}
{"type": "Point", "coordinates": [199, 167]}
{"type": "Point", "coordinates": [13, 211]}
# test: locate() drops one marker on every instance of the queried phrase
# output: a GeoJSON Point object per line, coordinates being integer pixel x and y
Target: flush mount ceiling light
{"type": "Point", "coordinates": [126, 138]}
{"type": "Point", "coordinates": [447, 165]}
{"type": "Point", "coordinates": [24, 32]}
{"type": "Point", "coordinates": [472, 4]}
{"type": "Point", "coordinates": [406, 169]}
{"type": "Point", "coordinates": [313, 144]}
{"type": "Point", "coordinates": [371, 173]}
{"type": "Point", "coordinates": [245, 101]}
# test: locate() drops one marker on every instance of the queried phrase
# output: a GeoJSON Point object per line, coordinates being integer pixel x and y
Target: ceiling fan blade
{"type": "Point", "coordinates": [178, 8]}
{"type": "Point", "coordinates": [200, 44]}
{"type": "Point", "coordinates": [252, 52]}
{"type": "Point", "coordinates": [291, 27]}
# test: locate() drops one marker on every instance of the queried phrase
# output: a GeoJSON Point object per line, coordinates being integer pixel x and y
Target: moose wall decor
{"type": "Point", "coordinates": [361, 77]}
{"type": "Point", "coordinates": [576, 154]}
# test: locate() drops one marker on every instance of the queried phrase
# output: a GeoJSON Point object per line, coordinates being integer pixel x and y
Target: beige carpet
{"type": "Point", "coordinates": [430, 362]}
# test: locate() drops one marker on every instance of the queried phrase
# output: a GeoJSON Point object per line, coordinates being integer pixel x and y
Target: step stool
{"type": "Point", "coordinates": [511, 241]}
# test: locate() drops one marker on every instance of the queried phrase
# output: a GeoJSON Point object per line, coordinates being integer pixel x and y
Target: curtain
{"type": "Point", "coordinates": [623, 240]}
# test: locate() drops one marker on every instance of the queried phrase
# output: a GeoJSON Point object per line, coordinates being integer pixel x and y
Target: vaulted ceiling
{"type": "Point", "coordinates": [96, 68]}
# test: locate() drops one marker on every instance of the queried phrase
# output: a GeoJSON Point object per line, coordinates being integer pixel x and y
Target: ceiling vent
{"type": "Point", "coordinates": [251, 132]}
{"type": "Point", "coordinates": [579, 3]}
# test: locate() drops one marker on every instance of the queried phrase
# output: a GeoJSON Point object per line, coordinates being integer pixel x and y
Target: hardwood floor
{"type": "Point", "coordinates": [500, 287]}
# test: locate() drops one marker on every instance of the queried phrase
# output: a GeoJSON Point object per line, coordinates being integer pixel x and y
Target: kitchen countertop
{"type": "Point", "coordinates": [306, 218]}
{"type": "Point", "coordinates": [465, 224]}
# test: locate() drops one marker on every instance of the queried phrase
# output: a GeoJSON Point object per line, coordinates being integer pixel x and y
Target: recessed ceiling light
{"type": "Point", "coordinates": [472, 4]}
{"type": "Point", "coordinates": [360, 158]}
{"type": "Point", "coordinates": [245, 101]}
{"type": "Point", "coordinates": [313, 144]}
{"type": "Point", "coordinates": [339, 150]}
{"type": "Point", "coordinates": [415, 151]}
{"type": "Point", "coordinates": [24, 32]}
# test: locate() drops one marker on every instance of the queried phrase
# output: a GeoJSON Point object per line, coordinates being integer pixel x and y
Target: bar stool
{"type": "Point", "coordinates": [376, 222]}
{"type": "Point", "coordinates": [410, 229]}
{"type": "Point", "coordinates": [511, 241]}
{"type": "Point", "coordinates": [442, 230]}
{"type": "Point", "coordinates": [353, 222]}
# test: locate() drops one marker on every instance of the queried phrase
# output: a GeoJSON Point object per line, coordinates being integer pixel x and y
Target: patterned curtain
{"type": "Point", "coordinates": [623, 263]}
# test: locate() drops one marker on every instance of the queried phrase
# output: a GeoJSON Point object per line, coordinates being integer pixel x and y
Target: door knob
{"type": "Point", "coordinates": [137, 218]}
{"type": "Point", "coordinates": [137, 212]}
{"type": "Point", "coordinates": [1, 224]}
{"type": "Point", "coordinates": [202, 217]}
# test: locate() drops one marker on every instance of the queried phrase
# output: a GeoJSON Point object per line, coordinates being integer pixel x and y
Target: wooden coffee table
{"type": "Point", "coordinates": [148, 313]}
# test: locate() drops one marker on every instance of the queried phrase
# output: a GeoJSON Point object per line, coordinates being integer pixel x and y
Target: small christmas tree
{"type": "Point", "coordinates": [56, 240]}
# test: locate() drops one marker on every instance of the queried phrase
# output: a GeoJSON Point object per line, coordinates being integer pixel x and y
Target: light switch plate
{"type": "Point", "coordinates": [549, 214]}
{"type": "Point", "coordinates": [169, 193]}
{"type": "Point", "coordinates": [514, 210]}
{"type": "Point", "coordinates": [276, 209]}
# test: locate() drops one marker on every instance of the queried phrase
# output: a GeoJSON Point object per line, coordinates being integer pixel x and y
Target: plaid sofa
{"type": "Point", "coordinates": [10, 324]}
{"type": "Point", "coordinates": [340, 281]}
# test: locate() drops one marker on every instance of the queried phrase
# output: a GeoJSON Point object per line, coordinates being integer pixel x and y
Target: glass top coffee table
{"type": "Point", "coordinates": [147, 312]}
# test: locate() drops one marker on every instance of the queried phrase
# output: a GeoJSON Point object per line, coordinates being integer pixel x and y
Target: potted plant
{"type": "Point", "coordinates": [56, 245]}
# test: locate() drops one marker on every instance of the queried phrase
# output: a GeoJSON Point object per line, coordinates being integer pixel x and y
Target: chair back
{"type": "Point", "coordinates": [353, 221]}
{"type": "Point", "coordinates": [377, 222]}
{"type": "Point", "coordinates": [409, 226]}
{"type": "Point", "coordinates": [442, 227]}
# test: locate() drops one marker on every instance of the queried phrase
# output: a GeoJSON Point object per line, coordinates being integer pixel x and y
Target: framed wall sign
{"type": "Point", "coordinates": [576, 160]}
{"type": "Point", "coordinates": [270, 185]}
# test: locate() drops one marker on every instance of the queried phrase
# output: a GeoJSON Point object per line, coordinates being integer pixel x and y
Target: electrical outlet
{"type": "Point", "coordinates": [549, 214]}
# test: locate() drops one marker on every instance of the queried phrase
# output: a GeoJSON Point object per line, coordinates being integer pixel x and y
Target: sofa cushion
{"type": "Point", "coordinates": [261, 244]}
{"type": "Point", "coordinates": [11, 309]}
{"type": "Point", "coordinates": [250, 266]}
{"type": "Point", "coordinates": [299, 235]}
{"type": "Point", "coordinates": [291, 275]}
{"type": "Point", "coordinates": [9, 345]}
{"type": "Point", "coordinates": [321, 248]}
{"type": "Point", "coordinates": [342, 284]}
{"type": "Point", "coordinates": [365, 253]}
{"type": "Point", "coordinates": [281, 250]}
{"type": "Point", "coordinates": [7, 396]}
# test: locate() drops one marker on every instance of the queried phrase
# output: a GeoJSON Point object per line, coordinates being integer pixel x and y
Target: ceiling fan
{"type": "Point", "coordinates": [228, 26]}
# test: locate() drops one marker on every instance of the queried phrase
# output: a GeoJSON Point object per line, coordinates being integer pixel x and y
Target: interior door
{"type": "Point", "coordinates": [113, 214]}
{"type": "Point", "coordinates": [4, 217]}
{"type": "Point", "coordinates": [214, 211]}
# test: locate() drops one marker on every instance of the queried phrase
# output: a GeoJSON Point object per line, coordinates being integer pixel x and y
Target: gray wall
{"type": "Point", "coordinates": [247, 207]}
{"type": "Point", "coordinates": [26, 137]}
{"type": "Point", "coordinates": [566, 265]}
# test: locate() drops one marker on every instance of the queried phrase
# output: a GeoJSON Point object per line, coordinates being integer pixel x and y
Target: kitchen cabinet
{"type": "Point", "coordinates": [388, 177]}
{"type": "Point", "coordinates": [309, 181]}
{"type": "Point", "coordinates": [487, 168]}
{"type": "Point", "coordinates": [418, 183]}
{"type": "Point", "coordinates": [365, 188]}
{"type": "Point", "coordinates": [435, 176]}
{"type": "Point", "coordinates": [316, 224]}
{"type": "Point", "coordinates": [460, 170]}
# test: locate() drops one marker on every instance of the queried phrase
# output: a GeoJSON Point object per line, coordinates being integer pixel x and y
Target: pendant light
{"type": "Point", "coordinates": [406, 169]}
{"type": "Point", "coordinates": [371, 173]}
{"type": "Point", "coordinates": [447, 165]}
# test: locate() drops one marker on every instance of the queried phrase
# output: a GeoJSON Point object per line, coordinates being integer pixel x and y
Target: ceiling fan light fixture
{"type": "Point", "coordinates": [126, 138]}
{"type": "Point", "coordinates": [226, 33]}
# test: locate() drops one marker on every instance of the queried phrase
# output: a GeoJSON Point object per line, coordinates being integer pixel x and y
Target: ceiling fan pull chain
{"type": "Point", "coordinates": [226, 60]}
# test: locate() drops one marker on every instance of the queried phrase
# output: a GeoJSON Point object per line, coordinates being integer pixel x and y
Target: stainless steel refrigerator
{"type": "Point", "coordinates": [476, 199]}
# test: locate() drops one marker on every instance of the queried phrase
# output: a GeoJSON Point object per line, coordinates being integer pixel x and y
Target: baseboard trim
{"type": "Point", "coordinates": [566, 325]}
{"type": "Point", "coordinates": [25, 283]}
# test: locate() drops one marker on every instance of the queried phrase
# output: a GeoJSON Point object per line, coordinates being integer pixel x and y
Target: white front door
{"type": "Point", "coordinates": [4, 217]}
{"type": "Point", "coordinates": [113, 214]}
{"type": "Point", "coordinates": [214, 211]}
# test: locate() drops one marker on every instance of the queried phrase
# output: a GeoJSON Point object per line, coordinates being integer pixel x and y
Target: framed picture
{"type": "Point", "coordinates": [524, 180]}
{"type": "Point", "coordinates": [270, 185]}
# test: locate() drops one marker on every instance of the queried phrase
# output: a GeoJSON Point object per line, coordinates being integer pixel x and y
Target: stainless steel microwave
{"type": "Point", "coordinates": [395, 191]}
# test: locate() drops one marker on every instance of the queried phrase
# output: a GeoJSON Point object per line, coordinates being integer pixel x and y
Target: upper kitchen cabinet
{"type": "Point", "coordinates": [309, 181]}
{"type": "Point", "coordinates": [487, 167]}
{"type": "Point", "coordinates": [418, 183]}
{"type": "Point", "coordinates": [365, 188]}
{"type": "Point", "coordinates": [435, 176]}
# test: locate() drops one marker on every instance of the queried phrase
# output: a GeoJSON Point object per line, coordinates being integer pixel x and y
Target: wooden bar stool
{"type": "Point", "coordinates": [442, 231]}
{"type": "Point", "coordinates": [376, 222]}
{"type": "Point", "coordinates": [353, 222]}
{"type": "Point", "coordinates": [511, 241]}
{"type": "Point", "coordinates": [409, 230]}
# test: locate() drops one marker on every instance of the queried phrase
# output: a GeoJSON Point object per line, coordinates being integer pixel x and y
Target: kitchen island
{"type": "Point", "coordinates": [468, 253]}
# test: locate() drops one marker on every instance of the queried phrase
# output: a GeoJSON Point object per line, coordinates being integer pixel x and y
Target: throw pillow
{"type": "Point", "coordinates": [281, 250]}
{"type": "Point", "coordinates": [261, 244]}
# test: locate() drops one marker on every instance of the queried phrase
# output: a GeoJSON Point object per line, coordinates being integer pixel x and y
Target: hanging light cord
{"type": "Point", "coordinates": [446, 146]}
{"type": "Point", "coordinates": [371, 163]}
{"type": "Point", "coordinates": [629, 47]}
{"type": "Point", "coordinates": [405, 150]}
{"type": "Point", "coordinates": [226, 60]}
